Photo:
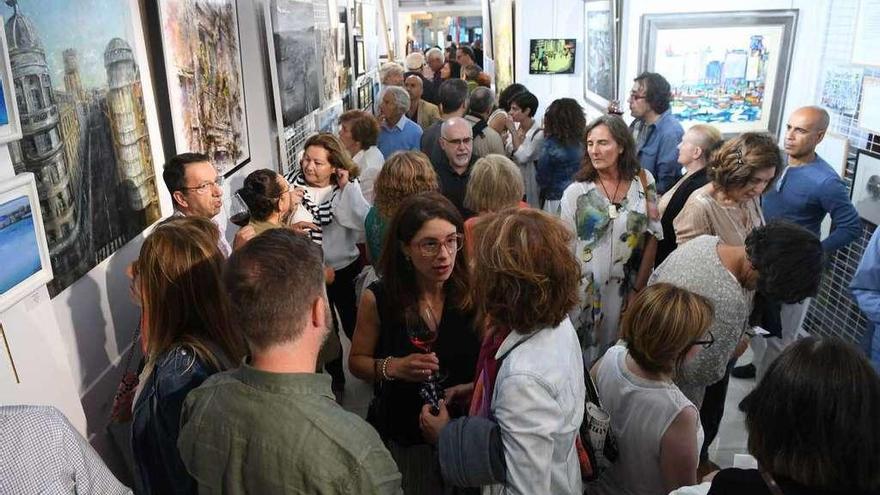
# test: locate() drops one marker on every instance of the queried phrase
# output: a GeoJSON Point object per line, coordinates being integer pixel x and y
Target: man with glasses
{"type": "Point", "coordinates": [656, 131]}
{"type": "Point", "coordinates": [781, 260]}
{"type": "Point", "coordinates": [454, 167]}
{"type": "Point", "coordinates": [196, 190]}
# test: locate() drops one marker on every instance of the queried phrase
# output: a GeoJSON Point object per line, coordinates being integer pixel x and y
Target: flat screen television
{"type": "Point", "coordinates": [552, 56]}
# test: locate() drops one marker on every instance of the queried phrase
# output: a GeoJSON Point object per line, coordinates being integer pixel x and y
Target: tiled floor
{"type": "Point", "coordinates": [731, 437]}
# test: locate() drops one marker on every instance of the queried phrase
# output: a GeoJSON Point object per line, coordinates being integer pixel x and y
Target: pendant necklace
{"type": "Point", "coordinates": [612, 206]}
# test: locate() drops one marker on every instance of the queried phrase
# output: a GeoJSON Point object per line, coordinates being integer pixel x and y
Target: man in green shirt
{"type": "Point", "coordinates": [272, 425]}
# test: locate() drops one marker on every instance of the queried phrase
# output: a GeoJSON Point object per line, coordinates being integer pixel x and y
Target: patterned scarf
{"type": "Point", "coordinates": [487, 372]}
{"type": "Point", "coordinates": [322, 213]}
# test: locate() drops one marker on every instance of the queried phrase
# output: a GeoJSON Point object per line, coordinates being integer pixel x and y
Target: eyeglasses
{"type": "Point", "coordinates": [429, 248]}
{"type": "Point", "coordinates": [706, 343]}
{"type": "Point", "coordinates": [205, 186]}
{"type": "Point", "coordinates": [459, 142]}
{"type": "Point", "coordinates": [636, 96]}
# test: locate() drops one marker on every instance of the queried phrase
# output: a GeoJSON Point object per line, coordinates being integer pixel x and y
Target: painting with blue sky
{"type": "Point", "coordinates": [4, 115]}
{"type": "Point", "coordinates": [18, 243]}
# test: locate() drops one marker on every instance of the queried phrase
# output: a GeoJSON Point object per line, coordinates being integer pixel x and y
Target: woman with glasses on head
{"type": "Point", "coordinates": [419, 300]}
{"type": "Point", "coordinates": [185, 336]}
{"type": "Point", "coordinates": [657, 428]}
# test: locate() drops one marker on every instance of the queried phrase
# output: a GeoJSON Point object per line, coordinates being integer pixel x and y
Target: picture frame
{"type": "Point", "coordinates": [601, 52]}
{"type": "Point", "coordinates": [834, 149]}
{"type": "Point", "coordinates": [865, 194]}
{"type": "Point", "coordinates": [360, 57]}
{"type": "Point", "coordinates": [200, 80]}
{"type": "Point", "coordinates": [502, 17]}
{"type": "Point", "coordinates": [728, 70]}
{"type": "Point", "coordinates": [23, 246]}
{"type": "Point", "coordinates": [10, 125]}
{"type": "Point", "coordinates": [552, 56]}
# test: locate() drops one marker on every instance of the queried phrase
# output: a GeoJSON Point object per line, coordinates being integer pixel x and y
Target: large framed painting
{"type": "Point", "coordinates": [866, 186]}
{"type": "Point", "coordinates": [201, 87]}
{"type": "Point", "coordinates": [729, 69]}
{"type": "Point", "coordinates": [501, 20]}
{"type": "Point", "coordinates": [601, 52]}
{"type": "Point", "coordinates": [23, 246]}
{"type": "Point", "coordinates": [83, 94]}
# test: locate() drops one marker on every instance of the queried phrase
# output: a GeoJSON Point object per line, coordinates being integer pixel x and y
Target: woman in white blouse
{"type": "Point", "coordinates": [526, 142]}
{"type": "Point", "coordinates": [358, 131]}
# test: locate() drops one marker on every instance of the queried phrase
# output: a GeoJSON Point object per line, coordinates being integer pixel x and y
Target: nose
{"type": "Point", "coordinates": [759, 188]}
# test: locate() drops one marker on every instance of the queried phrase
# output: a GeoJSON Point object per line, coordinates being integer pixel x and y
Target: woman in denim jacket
{"type": "Point", "coordinates": [185, 338]}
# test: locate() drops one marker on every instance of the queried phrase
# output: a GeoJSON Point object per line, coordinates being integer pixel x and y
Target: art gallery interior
{"type": "Point", "coordinates": [136, 66]}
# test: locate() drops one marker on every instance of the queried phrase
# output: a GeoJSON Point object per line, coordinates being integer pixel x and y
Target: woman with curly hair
{"type": "Point", "coordinates": [560, 159]}
{"type": "Point", "coordinates": [404, 174]}
{"type": "Point", "coordinates": [611, 209]}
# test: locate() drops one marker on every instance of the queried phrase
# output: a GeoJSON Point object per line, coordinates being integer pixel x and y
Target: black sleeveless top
{"type": "Point", "coordinates": [457, 347]}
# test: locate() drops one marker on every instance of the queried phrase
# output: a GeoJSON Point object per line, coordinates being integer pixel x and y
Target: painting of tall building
{"type": "Point", "coordinates": [206, 92]}
{"type": "Point", "coordinates": [83, 126]}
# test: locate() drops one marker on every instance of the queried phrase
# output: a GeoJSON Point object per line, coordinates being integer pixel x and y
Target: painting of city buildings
{"type": "Point", "coordinates": [723, 76]}
{"type": "Point", "coordinates": [78, 91]}
{"type": "Point", "coordinates": [204, 73]}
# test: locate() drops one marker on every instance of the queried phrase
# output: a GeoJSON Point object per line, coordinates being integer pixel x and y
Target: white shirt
{"type": "Point", "coordinates": [370, 162]}
{"type": "Point", "coordinates": [340, 236]}
{"type": "Point", "coordinates": [220, 221]}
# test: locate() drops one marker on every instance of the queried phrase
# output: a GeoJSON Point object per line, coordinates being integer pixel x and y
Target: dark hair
{"type": "Point", "coordinates": [481, 101]}
{"type": "Point", "coordinates": [454, 69]}
{"type": "Point", "coordinates": [788, 259]}
{"type": "Point", "coordinates": [471, 72]}
{"type": "Point", "coordinates": [565, 122]}
{"type": "Point", "coordinates": [526, 101]}
{"type": "Point", "coordinates": [508, 93]}
{"type": "Point", "coordinates": [468, 51]}
{"type": "Point", "coordinates": [627, 163]}
{"type": "Point", "coordinates": [273, 280]}
{"type": "Point", "coordinates": [736, 161]}
{"type": "Point", "coordinates": [397, 272]}
{"type": "Point", "coordinates": [174, 170]}
{"type": "Point", "coordinates": [452, 95]}
{"type": "Point", "coordinates": [813, 418]}
{"type": "Point", "coordinates": [364, 127]}
{"type": "Point", "coordinates": [261, 192]}
{"type": "Point", "coordinates": [657, 90]}
{"type": "Point", "coordinates": [336, 154]}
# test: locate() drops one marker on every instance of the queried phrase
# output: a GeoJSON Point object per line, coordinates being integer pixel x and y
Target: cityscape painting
{"type": "Point", "coordinates": [729, 74]}
{"type": "Point", "coordinates": [84, 128]}
{"type": "Point", "coordinates": [600, 69]}
{"type": "Point", "coordinates": [203, 70]}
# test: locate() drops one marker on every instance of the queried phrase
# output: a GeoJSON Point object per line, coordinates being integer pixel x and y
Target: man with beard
{"type": "Point", "coordinates": [454, 167]}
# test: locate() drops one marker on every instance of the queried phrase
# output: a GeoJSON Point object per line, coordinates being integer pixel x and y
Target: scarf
{"type": "Point", "coordinates": [487, 372]}
{"type": "Point", "coordinates": [322, 213]}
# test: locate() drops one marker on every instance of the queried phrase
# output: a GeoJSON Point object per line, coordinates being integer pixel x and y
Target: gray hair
{"type": "Point", "coordinates": [434, 52]}
{"type": "Point", "coordinates": [415, 61]}
{"type": "Point", "coordinates": [449, 123]}
{"type": "Point", "coordinates": [401, 97]}
{"type": "Point", "coordinates": [481, 101]}
{"type": "Point", "coordinates": [388, 69]}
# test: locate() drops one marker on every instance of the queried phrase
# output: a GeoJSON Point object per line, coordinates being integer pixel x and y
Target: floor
{"type": "Point", "coordinates": [731, 437]}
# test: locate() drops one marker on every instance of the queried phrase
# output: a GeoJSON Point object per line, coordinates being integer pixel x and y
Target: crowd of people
{"type": "Point", "coordinates": [487, 265]}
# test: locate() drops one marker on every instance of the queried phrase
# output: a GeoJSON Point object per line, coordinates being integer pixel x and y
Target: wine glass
{"type": "Point", "coordinates": [238, 211]}
{"type": "Point", "coordinates": [422, 336]}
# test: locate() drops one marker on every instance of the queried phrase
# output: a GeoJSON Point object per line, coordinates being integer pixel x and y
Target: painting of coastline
{"type": "Point", "coordinates": [19, 249]}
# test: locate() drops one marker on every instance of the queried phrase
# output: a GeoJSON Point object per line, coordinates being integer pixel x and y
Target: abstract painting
{"type": "Point", "coordinates": [866, 186]}
{"type": "Point", "coordinates": [205, 108]}
{"type": "Point", "coordinates": [841, 89]}
{"type": "Point", "coordinates": [295, 58]}
{"type": "Point", "coordinates": [730, 71]}
{"type": "Point", "coordinates": [501, 19]}
{"type": "Point", "coordinates": [84, 126]}
{"type": "Point", "coordinates": [600, 78]}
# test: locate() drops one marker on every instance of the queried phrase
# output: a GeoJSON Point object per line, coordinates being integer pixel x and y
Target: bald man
{"type": "Point", "coordinates": [420, 111]}
{"type": "Point", "coordinates": [454, 167]}
{"type": "Point", "coordinates": [807, 190]}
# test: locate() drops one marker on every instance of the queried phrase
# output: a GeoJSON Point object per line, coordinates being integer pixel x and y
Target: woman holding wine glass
{"type": "Point", "coordinates": [410, 324]}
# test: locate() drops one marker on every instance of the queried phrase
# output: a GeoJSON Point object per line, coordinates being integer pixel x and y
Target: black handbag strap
{"type": "Point", "coordinates": [770, 482]}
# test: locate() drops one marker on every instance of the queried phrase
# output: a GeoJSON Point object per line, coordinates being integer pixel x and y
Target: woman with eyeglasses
{"type": "Point", "coordinates": [657, 428]}
{"type": "Point", "coordinates": [413, 336]}
{"type": "Point", "coordinates": [267, 197]}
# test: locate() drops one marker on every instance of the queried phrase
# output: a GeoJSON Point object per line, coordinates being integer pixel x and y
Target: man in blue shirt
{"type": "Point", "coordinates": [656, 131]}
{"type": "Point", "coordinates": [807, 190]}
{"type": "Point", "coordinates": [397, 133]}
{"type": "Point", "coordinates": [865, 287]}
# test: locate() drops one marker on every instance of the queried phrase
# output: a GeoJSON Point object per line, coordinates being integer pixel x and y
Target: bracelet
{"type": "Point", "coordinates": [385, 370]}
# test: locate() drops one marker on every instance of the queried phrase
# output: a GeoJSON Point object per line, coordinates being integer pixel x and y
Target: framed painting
{"type": "Point", "coordinates": [23, 247]}
{"type": "Point", "coordinates": [90, 133]}
{"type": "Point", "coordinates": [865, 194]}
{"type": "Point", "coordinates": [728, 70]}
{"type": "Point", "coordinates": [501, 24]}
{"type": "Point", "coordinates": [10, 126]}
{"type": "Point", "coordinates": [601, 52]}
{"type": "Point", "coordinates": [201, 88]}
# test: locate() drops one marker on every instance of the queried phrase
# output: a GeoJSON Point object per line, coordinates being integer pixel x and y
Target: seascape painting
{"type": "Point", "coordinates": [19, 248]}
{"type": "Point", "coordinates": [203, 70]}
{"type": "Point", "coordinates": [83, 120]}
{"type": "Point", "coordinates": [296, 58]}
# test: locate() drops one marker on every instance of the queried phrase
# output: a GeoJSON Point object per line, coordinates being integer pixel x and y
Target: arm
{"type": "Point", "coordinates": [528, 416]}
{"type": "Point", "coordinates": [376, 473]}
{"type": "Point", "coordinates": [844, 217]}
{"type": "Point", "coordinates": [647, 261]}
{"type": "Point", "coordinates": [243, 235]}
{"type": "Point", "coordinates": [865, 284]}
{"type": "Point", "coordinates": [352, 208]}
{"type": "Point", "coordinates": [679, 456]}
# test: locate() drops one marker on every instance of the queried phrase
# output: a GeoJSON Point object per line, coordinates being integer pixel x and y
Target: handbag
{"type": "Point", "coordinates": [123, 400]}
{"type": "Point", "coordinates": [596, 444]}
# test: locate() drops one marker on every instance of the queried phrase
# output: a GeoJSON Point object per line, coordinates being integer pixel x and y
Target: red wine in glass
{"type": "Point", "coordinates": [423, 341]}
{"type": "Point", "coordinates": [241, 219]}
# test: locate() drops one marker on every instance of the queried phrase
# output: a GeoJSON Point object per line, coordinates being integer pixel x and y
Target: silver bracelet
{"type": "Point", "coordinates": [385, 369]}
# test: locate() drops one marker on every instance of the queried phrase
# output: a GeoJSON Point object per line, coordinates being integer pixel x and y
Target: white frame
{"type": "Point", "coordinates": [12, 130]}
{"type": "Point", "coordinates": [25, 184]}
{"type": "Point", "coordinates": [593, 98]}
{"type": "Point", "coordinates": [867, 165]}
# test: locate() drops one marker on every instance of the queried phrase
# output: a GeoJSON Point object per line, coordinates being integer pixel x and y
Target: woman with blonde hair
{"type": "Point", "coordinates": [495, 183]}
{"type": "Point", "coordinates": [404, 174]}
{"type": "Point", "coordinates": [657, 428]}
{"type": "Point", "coordinates": [185, 336]}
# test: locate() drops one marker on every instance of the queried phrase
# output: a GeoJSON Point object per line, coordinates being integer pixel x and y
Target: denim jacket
{"type": "Point", "coordinates": [556, 167]}
{"type": "Point", "coordinates": [539, 405]}
{"type": "Point", "coordinates": [156, 423]}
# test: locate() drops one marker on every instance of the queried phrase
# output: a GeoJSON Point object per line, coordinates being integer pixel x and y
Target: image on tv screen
{"type": "Point", "coordinates": [552, 56]}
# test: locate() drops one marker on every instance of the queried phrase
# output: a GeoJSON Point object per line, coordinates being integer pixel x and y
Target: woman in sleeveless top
{"type": "Point", "coordinates": [423, 284]}
{"type": "Point", "coordinates": [657, 428]}
{"type": "Point", "coordinates": [267, 197]}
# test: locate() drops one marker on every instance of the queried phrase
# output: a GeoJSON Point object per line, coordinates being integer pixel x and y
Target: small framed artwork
{"type": "Point", "coordinates": [360, 56]}
{"type": "Point", "coordinates": [554, 56]}
{"type": "Point", "coordinates": [866, 186]}
{"type": "Point", "coordinates": [10, 126]}
{"type": "Point", "coordinates": [23, 247]}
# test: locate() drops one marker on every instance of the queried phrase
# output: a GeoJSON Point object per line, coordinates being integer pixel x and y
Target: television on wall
{"type": "Point", "coordinates": [552, 56]}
